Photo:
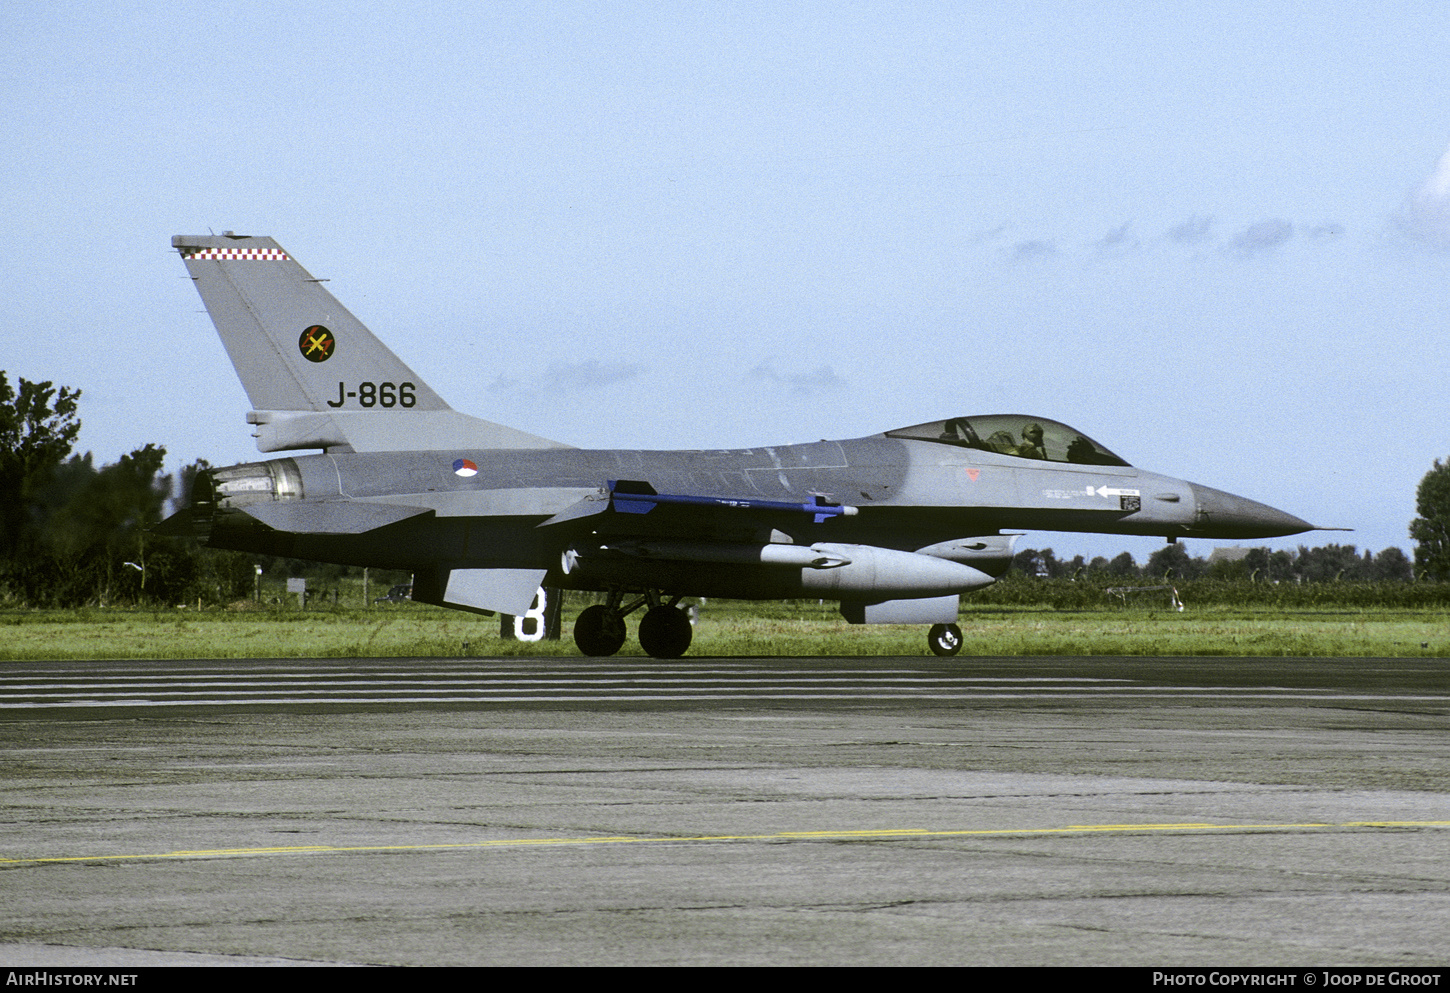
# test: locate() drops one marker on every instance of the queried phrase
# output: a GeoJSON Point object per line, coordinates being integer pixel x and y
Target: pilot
{"type": "Point", "coordinates": [1031, 447]}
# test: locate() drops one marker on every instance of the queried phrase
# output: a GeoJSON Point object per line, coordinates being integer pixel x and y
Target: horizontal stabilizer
{"type": "Point", "coordinates": [504, 591]}
{"type": "Point", "coordinates": [185, 523]}
{"type": "Point", "coordinates": [330, 517]}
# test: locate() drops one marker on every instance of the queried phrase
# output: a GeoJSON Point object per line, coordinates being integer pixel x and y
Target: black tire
{"type": "Point", "coordinates": [665, 632]}
{"type": "Point", "coordinates": [599, 631]}
{"type": "Point", "coordinates": [944, 639]}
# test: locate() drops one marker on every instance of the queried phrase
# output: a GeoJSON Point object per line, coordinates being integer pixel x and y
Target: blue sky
{"type": "Point", "coordinates": [1217, 239]}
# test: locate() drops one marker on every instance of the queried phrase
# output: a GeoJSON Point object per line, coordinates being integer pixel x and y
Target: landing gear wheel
{"type": "Point", "coordinates": [598, 631]}
{"type": "Point", "coordinates": [665, 632]}
{"type": "Point", "coordinates": [944, 639]}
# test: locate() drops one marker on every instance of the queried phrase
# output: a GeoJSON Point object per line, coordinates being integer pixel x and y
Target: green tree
{"type": "Point", "coordinates": [1174, 562]}
{"type": "Point", "coordinates": [1329, 563]}
{"type": "Point", "coordinates": [1431, 530]}
{"type": "Point", "coordinates": [99, 541]}
{"type": "Point", "coordinates": [38, 428]}
{"type": "Point", "coordinates": [1228, 570]}
{"type": "Point", "coordinates": [1038, 564]}
{"type": "Point", "coordinates": [1282, 567]}
{"type": "Point", "coordinates": [1392, 565]}
{"type": "Point", "coordinates": [1123, 566]}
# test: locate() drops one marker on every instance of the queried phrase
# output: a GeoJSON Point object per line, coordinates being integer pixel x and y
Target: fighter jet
{"type": "Point", "coordinates": [895, 526]}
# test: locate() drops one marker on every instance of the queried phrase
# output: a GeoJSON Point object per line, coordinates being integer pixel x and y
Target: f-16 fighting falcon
{"type": "Point", "coordinates": [894, 526]}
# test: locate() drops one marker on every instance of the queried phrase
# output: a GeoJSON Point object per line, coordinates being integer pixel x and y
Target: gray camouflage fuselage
{"type": "Point", "coordinates": [909, 495]}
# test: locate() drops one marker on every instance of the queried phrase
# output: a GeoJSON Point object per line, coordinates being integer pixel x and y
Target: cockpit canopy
{"type": "Point", "coordinates": [1016, 435]}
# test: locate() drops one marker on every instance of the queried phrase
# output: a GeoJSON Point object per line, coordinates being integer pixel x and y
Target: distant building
{"type": "Point", "coordinates": [1234, 553]}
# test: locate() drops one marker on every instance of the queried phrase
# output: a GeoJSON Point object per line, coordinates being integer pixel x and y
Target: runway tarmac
{"type": "Point", "coordinates": [1060, 811]}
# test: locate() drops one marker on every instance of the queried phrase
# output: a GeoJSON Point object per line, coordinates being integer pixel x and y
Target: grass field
{"type": "Point", "coordinates": [725, 628]}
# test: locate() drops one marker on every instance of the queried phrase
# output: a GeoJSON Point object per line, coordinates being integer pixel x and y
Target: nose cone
{"type": "Point", "coordinates": [1223, 515]}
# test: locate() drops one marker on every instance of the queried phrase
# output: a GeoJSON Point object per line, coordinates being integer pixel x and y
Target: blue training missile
{"type": "Point", "coordinates": [628, 502]}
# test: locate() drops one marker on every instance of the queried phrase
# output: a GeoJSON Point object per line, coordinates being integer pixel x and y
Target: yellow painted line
{"type": "Point", "coordinates": [871, 833]}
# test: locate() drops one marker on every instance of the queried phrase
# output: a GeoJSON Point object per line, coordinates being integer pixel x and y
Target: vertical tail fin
{"type": "Point", "coordinates": [316, 377]}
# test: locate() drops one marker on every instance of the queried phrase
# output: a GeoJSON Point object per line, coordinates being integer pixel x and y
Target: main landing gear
{"type": "Point", "coordinates": [599, 631]}
{"type": "Point", "coordinates": [665, 631]}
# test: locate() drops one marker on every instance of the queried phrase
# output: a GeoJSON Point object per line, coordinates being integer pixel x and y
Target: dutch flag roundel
{"type": "Point", "coordinates": [465, 468]}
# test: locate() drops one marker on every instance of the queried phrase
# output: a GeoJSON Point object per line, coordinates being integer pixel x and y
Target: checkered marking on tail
{"type": "Point", "coordinates": [237, 254]}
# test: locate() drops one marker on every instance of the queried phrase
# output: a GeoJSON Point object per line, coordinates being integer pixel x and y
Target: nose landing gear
{"type": "Point", "coordinates": [944, 639]}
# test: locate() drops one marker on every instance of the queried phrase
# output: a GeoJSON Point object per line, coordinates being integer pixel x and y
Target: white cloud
{"type": "Point", "coordinates": [1192, 231]}
{"type": "Point", "coordinates": [817, 380]}
{"type": "Point", "coordinates": [1263, 235]}
{"type": "Point", "coordinates": [569, 377]}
